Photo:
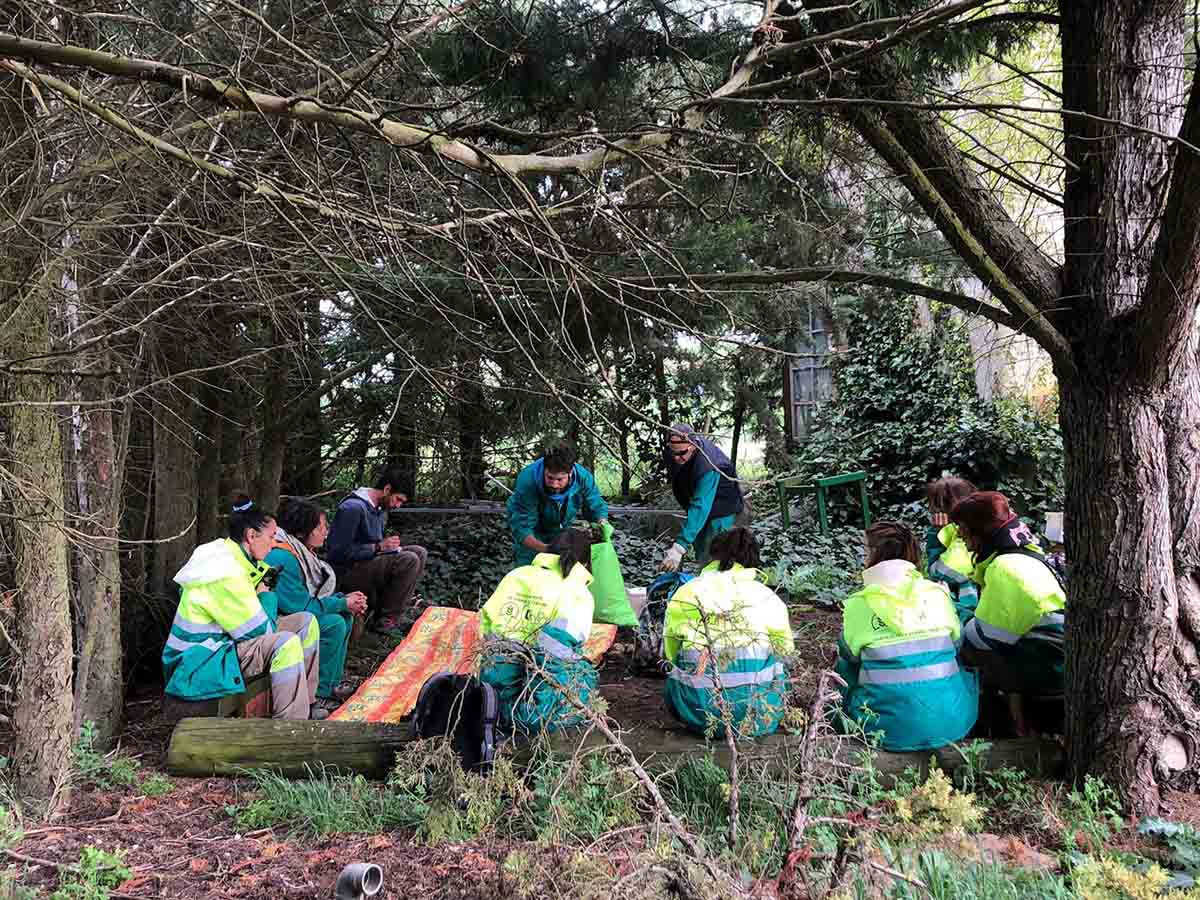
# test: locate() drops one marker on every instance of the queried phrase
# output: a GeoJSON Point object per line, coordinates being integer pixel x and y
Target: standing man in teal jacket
{"type": "Point", "coordinates": [705, 483]}
{"type": "Point", "coordinates": [550, 492]}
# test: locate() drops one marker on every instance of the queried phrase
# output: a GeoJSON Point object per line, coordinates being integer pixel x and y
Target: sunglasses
{"type": "Point", "coordinates": [679, 454]}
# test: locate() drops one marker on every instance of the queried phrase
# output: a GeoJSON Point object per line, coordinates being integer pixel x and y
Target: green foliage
{"type": "Point", "coordinates": [934, 808]}
{"type": "Point", "coordinates": [698, 791]}
{"type": "Point", "coordinates": [98, 873]}
{"type": "Point", "coordinates": [578, 799]}
{"type": "Point", "coordinates": [944, 877]}
{"type": "Point", "coordinates": [11, 832]}
{"type": "Point", "coordinates": [453, 805]}
{"type": "Point", "coordinates": [103, 771]}
{"type": "Point", "coordinates": [810, 566]}
{"type": "Point", "coordinates": [324, 803]}
{"type": "Point", "coordinates": [1108, 878]}
{"type": "Point", "coordinates": [907, 411]}
{"type": "Point", "coordinates": [1008, 790]}
{"type": "Point", "coordinates": [1181, 840]}
{"type": "Point", "coordinates": [1092, 814]}
{"type": "Point", "coordinates": [156, 785]}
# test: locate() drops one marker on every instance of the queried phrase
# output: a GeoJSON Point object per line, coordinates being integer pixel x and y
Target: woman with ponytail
{"type": "Point", "coordinates": [225, 629]}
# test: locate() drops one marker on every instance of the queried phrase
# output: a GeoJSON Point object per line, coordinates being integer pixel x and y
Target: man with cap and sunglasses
{"type": "Point", "coordinates": [705, 483]}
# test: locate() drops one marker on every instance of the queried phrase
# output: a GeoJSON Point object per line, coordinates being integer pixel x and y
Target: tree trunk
{"type": "Point", "coordinates": [402, 446]}
{"type": "Point", "coordinates": [1133, 485]}
{"type": "Point", "coordinates": [471, 417]}
{"type": "Point", "coordinates": [739, 410]}
{"type": "Point", "coordinates": [1131, 642]}
{"type": "Point", "coordinates": [622, 417]}
{"type": "Point", "coordinates": [660, 390]}
{"type": "Point", "coordinates": [210, 438]}
{"type": "Point", "coordinates": [175, 493]}
{"type": "Point", "coordinates": [274, 441]}
{"type": "Point", "coordinates": [302, 461]}
{"type": "Point", "coordinates": [99, 463]}
{"type": "Point", "coordinates": [43, 713]}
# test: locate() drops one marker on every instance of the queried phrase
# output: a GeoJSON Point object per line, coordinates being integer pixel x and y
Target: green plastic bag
{"type": "Point", "coordinates": [608, 585]}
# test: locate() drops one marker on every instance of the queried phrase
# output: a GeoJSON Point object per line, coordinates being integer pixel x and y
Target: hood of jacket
{"type": "Point", "coordinates": [214, 561]}
{"type": "Point", "coordinates": [903, 602]}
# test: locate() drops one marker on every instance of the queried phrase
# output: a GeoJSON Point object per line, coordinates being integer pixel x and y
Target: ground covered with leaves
{"type": "Point", "coordinates": [590, 825]}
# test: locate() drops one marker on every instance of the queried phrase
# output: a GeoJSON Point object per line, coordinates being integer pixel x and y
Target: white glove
{"type": "Point", "coordinates": [672, 558]}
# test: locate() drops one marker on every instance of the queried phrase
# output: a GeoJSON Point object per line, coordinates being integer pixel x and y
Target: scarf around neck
{"type": "Point", "coordinates": [319, 579]}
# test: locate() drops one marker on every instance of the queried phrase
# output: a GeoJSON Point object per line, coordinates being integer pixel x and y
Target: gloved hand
{"type": "Point", "coordinates": [606, 529]}
{"type": "Point", "coordinates": [672, 558]}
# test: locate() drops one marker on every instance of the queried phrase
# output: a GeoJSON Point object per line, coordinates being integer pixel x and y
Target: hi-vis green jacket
{"type": "Point", "coordinates": [530, 598]}
{"type": "Point", "coordinates": [1021, 613]}
{"type": "Point", "coordinates": [534, 605]}
{"type": "Point", "coordinates": [727, 628]}
{"type": "Point", "coordinates": [950, 561]}
{"type": "Point", "coordinates": [898, 656]}
{"type": "Point", "coordinates": [218, 607]}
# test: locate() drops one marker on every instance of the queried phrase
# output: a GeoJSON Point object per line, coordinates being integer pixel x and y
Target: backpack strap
{"type": "Point", "coordinates": [1040, 557]}
{"type": "Point", "coordinates": [491, 714]}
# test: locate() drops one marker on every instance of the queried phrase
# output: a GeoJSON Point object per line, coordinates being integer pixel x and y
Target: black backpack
{"type": "Point", "coordinates": [463, 709]}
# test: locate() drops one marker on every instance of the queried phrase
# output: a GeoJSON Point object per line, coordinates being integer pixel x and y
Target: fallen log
{"type": "Point", "coordinates": [203, 747]}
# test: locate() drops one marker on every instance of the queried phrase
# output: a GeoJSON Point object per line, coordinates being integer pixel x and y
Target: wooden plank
{"type": "Point", "coordinates": [499, 509]}
{"type": "Point", "coordinates": [203, 747]}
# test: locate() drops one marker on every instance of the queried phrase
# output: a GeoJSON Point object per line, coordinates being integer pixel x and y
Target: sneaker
{"type": "Point", "coordinates": [316, 713]}
{"type": "Point", "coordinates": [344, 691]}
{"type": "Point", "coordinates": [389, 625]}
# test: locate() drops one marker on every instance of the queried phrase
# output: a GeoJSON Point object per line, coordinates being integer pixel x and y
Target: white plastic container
{"type": "Point", "coordinates": [1054, 526]}
{"type": "Point", "coordinates": [637, 598]}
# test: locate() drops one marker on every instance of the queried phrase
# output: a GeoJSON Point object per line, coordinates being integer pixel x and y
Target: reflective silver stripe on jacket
{"type": "Point", "coordinates": [908, 676]}
{"type": "Point", "coordinates": [904, 648]}
{"type": "Point", "coordinates": [728, 679]}
{"type": "Point", "coordinates": [554, 647]}
{"type": "Point", "coordinates": [196, 627]}
{"type": "Point", "coordinates": [177, 643]}
{"type": "Point", "coordinates": [1054, 618]}
{"type": "Point", "coordinates": [259, 618]}
{"type": "Point", "coordinates": [758, 653]}
{"type": "Point", "coordinates": [976, 631]}
{"type": "Point", "coordinates": [564, 626]}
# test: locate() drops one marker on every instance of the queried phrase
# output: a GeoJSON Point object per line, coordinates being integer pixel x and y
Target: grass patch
{"type": "Point", "coordinates": [325, 803]}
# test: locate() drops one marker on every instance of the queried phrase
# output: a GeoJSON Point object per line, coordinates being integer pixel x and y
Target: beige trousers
{"type": "Point", "coordinates": [294, 687]}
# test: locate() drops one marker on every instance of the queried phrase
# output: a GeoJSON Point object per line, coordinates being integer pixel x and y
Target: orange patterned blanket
{"type": "Point", "coordinates": [443, 639]}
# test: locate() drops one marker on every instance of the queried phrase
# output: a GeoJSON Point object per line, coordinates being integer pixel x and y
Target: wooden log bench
{"type": "Point", "coordinates": [205, 747]}
{"type": "Point", "coordinates": [252, 703]}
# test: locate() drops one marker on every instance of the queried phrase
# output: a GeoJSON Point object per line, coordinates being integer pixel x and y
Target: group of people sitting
{"type": "Point", "coordinates": [988, 613]}
{"type": "Point", "coordinates": [262, 600]}
{"type": "Point", "coordinates": [918, 641]}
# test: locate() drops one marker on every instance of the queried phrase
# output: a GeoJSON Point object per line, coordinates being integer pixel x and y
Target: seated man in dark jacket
{"type": "Point", "coordinates": [365, 560]}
